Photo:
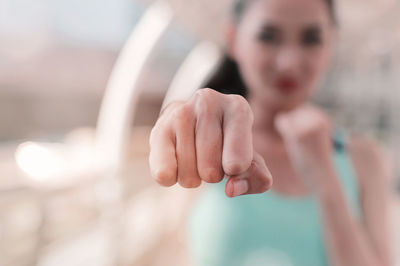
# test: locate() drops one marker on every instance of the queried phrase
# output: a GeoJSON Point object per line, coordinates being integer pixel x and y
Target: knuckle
{"type": "Point", "coordinates": [211, 175]}
{"type": "Point", "coordinates": [205, 104]}
{"type": "Point", "coordinates": [266, 183]}
{"type": "Point", "coordinates": [190, 182]}
{"type": "Point", "coordinates": [182, 114]}
{"type": "Point", "coordinates": [237, 101]}
{"type": "Point", "coordinates": [234, 168]}
{"type": "Point", "coordinates": [206, 93]}
{"type": "Point", "coordinates": [265, 186]}
{"type": "Point", "coordinates": [164, 178]}
{"type": "Point", "coordinates": [241, 106]}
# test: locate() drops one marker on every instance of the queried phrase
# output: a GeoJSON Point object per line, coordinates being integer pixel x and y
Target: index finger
{"type": "Point", "coordinates": [162, 158]}
{"type": "Point", "coordinates": [237, 151]}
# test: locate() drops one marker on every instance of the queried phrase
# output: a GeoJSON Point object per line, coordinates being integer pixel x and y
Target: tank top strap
{"type": "Point", "coordinates": [346, 172]}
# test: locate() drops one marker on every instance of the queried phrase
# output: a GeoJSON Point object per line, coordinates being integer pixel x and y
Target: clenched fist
{"type": "Point", "coordinates": [207, 138]}
{"type": "Point", "coordinates": [306, 132]}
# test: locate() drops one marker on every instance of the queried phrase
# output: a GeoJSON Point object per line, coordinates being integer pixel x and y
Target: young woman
{"type": "Point", "coordinates": [328, 201]}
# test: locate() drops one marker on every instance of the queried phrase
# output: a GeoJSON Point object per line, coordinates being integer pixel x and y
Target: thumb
{"type": "Point", "coordinates": [256, 179]}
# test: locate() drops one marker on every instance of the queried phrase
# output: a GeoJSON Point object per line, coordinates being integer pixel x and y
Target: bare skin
{"type": "Point", "coordinates": [206, 139]}
{"type": "Point", "coordinates": [212, 136]}
{"type": "Point", "coordinates": [350, 241]}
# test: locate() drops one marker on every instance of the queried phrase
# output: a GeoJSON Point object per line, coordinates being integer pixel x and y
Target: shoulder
{"type": "Point", "coordinates": [371, 161]}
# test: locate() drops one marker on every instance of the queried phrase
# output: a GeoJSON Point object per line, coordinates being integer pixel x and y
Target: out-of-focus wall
{"type": "Point", "coordinates": [56, 58]}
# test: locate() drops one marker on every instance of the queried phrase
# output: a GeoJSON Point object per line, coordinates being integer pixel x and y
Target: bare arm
{"type": "Point", "coordinates": [353, 242]}
{"type": "Point", "coordinates": [350, 242]}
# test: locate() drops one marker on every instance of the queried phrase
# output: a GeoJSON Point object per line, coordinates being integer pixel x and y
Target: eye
{"type": "Point", "coordinates": [269, 35]}
{"type": "Point", "coordinates": [311, 37]}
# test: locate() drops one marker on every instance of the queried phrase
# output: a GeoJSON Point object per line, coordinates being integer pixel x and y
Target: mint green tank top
{"type": "Point", "coordinates": [265, 229]}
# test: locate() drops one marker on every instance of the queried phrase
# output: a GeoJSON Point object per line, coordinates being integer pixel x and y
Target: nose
{"type": "Point", "coordinates": [288, 60]}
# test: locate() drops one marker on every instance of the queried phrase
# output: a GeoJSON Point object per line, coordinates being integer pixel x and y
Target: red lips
{"type": "Point", "coordinates": [287, 84]}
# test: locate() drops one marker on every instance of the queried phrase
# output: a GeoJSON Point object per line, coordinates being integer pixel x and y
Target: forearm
{"type": "Point", "coordinates": [347, 242]}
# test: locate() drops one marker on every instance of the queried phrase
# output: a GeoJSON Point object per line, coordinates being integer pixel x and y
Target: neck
{"type": "Point", "coordinates": [264, 117]}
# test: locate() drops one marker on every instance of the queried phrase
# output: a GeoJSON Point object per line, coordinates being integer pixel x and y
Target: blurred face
{"type": "Point", "coordinates": [283, 48]}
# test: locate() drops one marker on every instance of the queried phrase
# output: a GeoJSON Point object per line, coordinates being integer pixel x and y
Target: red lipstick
{"type": "Point", "coordinates": [287, 84]}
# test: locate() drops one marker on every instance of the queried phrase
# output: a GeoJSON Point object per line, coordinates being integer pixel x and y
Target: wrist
{"type": "Point", "coordinates": [325, 175]}
{"type": "Point", "coordinates": [330, 187]}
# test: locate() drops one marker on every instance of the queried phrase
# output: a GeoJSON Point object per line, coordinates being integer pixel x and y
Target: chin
{"type": "Point", "coordinates": [287, 103]}
{"type": "Point", "coordinates": [282, 102]}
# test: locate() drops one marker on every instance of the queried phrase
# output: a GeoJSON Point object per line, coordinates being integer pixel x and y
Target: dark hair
{"type": "Point", "coordinates": [241, 5]}
{"type": "Point", "coordinates": [227, 78]}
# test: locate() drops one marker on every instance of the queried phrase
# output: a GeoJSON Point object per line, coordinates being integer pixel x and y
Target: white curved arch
{"type": "Point", "coordinates": [122, 93]}
{"type": "Point", "coordinates": [194, 71]}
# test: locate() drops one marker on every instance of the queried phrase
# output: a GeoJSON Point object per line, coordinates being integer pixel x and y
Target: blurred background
{"type": "Point", "coordinates": [74, 119]}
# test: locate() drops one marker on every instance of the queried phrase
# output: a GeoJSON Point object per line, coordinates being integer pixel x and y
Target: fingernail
{"type": "Point", "coordinates": [240, 187]}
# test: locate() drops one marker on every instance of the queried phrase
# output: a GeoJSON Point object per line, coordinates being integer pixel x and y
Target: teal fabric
{"type": "Point", "coordinates": [267, 229]}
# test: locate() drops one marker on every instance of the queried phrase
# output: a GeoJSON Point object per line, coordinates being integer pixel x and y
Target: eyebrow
{"type": "Point", "coordinates": [269, 27]}
{"type": "Point", "coordinates": [308, 28]}
{"type": "Point", "coordinates": [313, 27]}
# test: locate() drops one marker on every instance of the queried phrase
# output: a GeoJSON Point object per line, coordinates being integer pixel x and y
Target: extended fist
{"type": "Point", "coordinates": [206, 139]}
